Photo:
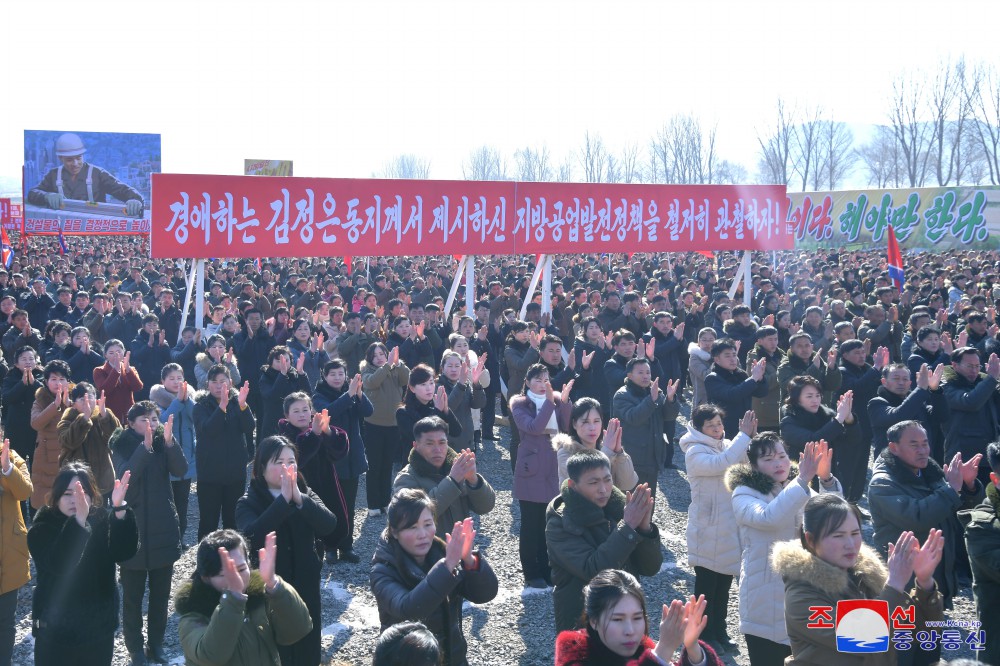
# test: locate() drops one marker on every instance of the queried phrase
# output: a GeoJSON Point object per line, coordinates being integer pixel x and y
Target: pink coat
{"type": "Point", "coordinates": [536, 475]}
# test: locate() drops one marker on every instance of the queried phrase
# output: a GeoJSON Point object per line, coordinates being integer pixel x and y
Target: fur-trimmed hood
{"type": "Point", "coordinates": [693, 436]}
{"type": "Point", "coordinates": [950, 376]}
{"type": "Point", "coordinates": [795, 563]}
{"type": "Point", "coordinates": [161, 396]}
{"type": "Point", "coordinates": [564, 442]}
{"type": "Point", "coordinates": [698, 352]}
{"type": "Point", "coordinates": [745, 475]}
{"type": "Point", "coordinates": [584, 646]}
{"type": "Point", "coordinates": [197, 596]}
{"type": "Point", "coordinates": [577, 509]}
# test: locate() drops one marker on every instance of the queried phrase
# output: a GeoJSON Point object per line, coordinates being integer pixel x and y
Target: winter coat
{"type": "Point", "coordinates": [462, 399]}
{"type": "Point", "coordinates": [346, 412]}
{"type": "Point", "coordinates": [217, 631]}
{"type": "Point", "coordinates": [384, 386]}
{"type": "Point", "coordinates": [590, 382]}
{"type": "Point", "coordinates": [251, 354]}
{"type": "Point", "coordinates": [413, 410]}
{"type": "Point", "coordinates": [712, 542]}
{"type": "Point", "coordinates": [642, 421]}
{"type": "Point", "coordinates": [148, 361]}
{"type": "Point", "coordinates": [150, 495]}
{"type": "Point", "coordinates": [222, 452]}
{"type": "Point", "coordinates": [123, 327]}
{"type": "Point", "coordinates": [793, 366]}
{"type": "Point", "coordinates": [13, 340]}
{"type": "Point", "coordinates": [583, 647]}
{"type": "Point", "coordinates": [318, 455]}
{"type": "Point", "coordinates": [699, 365]}
{"type": "Point", "coordinates": [258, 513]}
{"type": "Point", "coordinates": [622, 472]}
{"type": "Point", "coordinates": [982, 539]}
{"type": "Point", "coordinates": [184, 435]}
{"type": "Point", "coordinates": [411, 352]}
{"type": "Point", "coordinates": [919, 356]}
{"type": "Point", "coordinates": [274, 388]}
{"type": "Point", "coordinates": [454, 500]}
{"type": "Point", "coordinates": [767, 407]}
{"type": "Point", "coordinates": [186, 356]}
{"type": "Point", "coordinates": [798, 427]}
{"type": "Point", "coordinates": [766, 514]}
{"type": "Point", "coordinates": [14, 489]}
{"type": "Point", "coordinates": [315, 360]}
{"type": "Point", "coordinates": [745, 335]}
{"type": "Point", "coordinates": [887, 409]}
{"type": "Point", "coordinates": [901, 501]}
{"type": "Point", "coordinates": [82, 365]}
{"type": "Point", "coordinates": [429, 593]}
{"type": "Point", "coordinates": [87, 440]}
{"type": "Point", "coordinates": [810, 582]}
{"type": "Point", "coordinates": [668, 354]}
{"type": "Point", "coordinates": [45, 415]}
{"type": "Point", "coordinates": [518, 357]}
{"type": "Point", "coordinates": [886, 334]}
{"type": "Point", "coordinates": [17, 400]}
{"type": "Point", "coordinates": [536, 471]}
{"type": "Point", "coordinates": [734, 391]}
{"type": "Point", "coordinates": [204, 363]}
{"type": "Point", "coordinates": [615, 377]}
{"type": "Point", "coordinates": [583, 539]}
{"type": "Point", "coordinates": [865, 382]}
{"type": "Point", "coordinates": [352, 347]}
{"type": "Point", "coordinates": [78, 563]}
{"type": "Point", "coordinates": [975, 414]}
{"type": "Point", "coordinates": [119, 390]}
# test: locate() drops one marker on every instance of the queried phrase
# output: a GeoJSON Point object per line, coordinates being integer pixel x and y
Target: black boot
{"type": "Point", "coordinates": [154, 654]}
{"type": "Point", "coordinates": [136, 659]}
{"type": "Point", "coordinates": [477, 440]}
{"type": "Point", "coordinates": [349, 555]}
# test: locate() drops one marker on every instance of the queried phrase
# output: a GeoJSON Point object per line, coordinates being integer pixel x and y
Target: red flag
{"type": "Point", "coordinates": [707, 253]}
{"type": "Point", "coordinates": [7, 252]}
{"type": "Point", "coordinates": [895, 261]}
{"type": "Point", "coordinates": [348, 261]}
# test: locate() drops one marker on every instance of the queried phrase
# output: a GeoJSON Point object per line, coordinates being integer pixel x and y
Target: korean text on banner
{"type": "Point", "coordinates": [243, 216]}
{"type": "Point", "coordinates": [267, 168]}
{"type": "Point", "coordinates": [5, 212]}
{"type": "Point", "coordinates": [930, 218]}
{"type": "Point", "coordinates": [88, 182]}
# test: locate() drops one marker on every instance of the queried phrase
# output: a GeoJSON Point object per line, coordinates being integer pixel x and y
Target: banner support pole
{"type": "Point", "coordinates": [189, 281]}
{"type": "Point", "coordinates": [470, 286]}
{"type": "Point", "coordinates": [535, 276]}
{"type": "Point", "coordinates": [450, 301]}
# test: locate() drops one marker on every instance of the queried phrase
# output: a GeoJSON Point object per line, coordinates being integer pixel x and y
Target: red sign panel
{"type": "Point", "coordinates": [241, 216]}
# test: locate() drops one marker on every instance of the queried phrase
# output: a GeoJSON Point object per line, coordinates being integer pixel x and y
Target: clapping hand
{"type": "Point", "coordinates": [81, 503]}
{"type": "Point", "coordinates": [844, 407]}
{"type": "Point", "coordinates": [458, 546]}
{"type": "Point", "coordinates": [168, 432]}
{"type": "Point", "coordinates": [881, 358]}
{"type": "Point", "coordinates": [241, 397]}
{"type": "Point", "coordinates": [567, 388]}
{"type": "Point", "coordinates": [120, 489]}
{"type": "Point", "coordinates": [748, 424]}
{"type": "Point", "coordinates": [757, 373]}
{"type": "Point", "coordinates": [182, 393]}
{"type": "Point", "coordinates": [321, 422]}
{"type": "Point", "coordinates": [639, 507]}
{"type": "Point", "coordinates": [671, 391]}
{"type": "Point", "coordinates": [5, 455]}
{"type": "Point", "coordinates": [613, 436]}
{"type": "Point", "coordinates": [147, 438]}
{"type": "Point", "coordinates": [356, 386]}
{"type": "Point", "coordinates": [900, 561]}
{"type": "Point", "coordinates": [927, 558]}
{"type": "Point", "coordinates": [300, 363]}
{"type": "Point", "coordinates": [695, 622]}
{"type": "Point", "coordinates": [441, 400]}
{"type": "Point", "coordinates": [960, 474]}
{"type": "Point", "coordinates": [477, 371]}
{"type": "Point", "coordinates": [232, 578]}
{"type": "Point", "coordinates": [394, 357]}
{"type": "Point", "coordinates": [460, 467]}
{"type": "Point", "coordinates": [587, 359]}
{"type": "Point", "coordinates": [224, 399]}
{"type": "Point", "coordinates": [268, 559]}
{"type": "Point", "coordinates": [654, 389]}
{"type": "Point", "coordinates": [102, 405]}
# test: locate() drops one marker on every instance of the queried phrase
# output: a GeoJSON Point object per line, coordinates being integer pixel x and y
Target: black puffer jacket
{"type": "Point", "coordinates": [222, 452]}
{"type": "Point", "coordinates": [799, 427]}
{"type": "Point", "coordinates": [150, 495]}
{"type": "Point", "coordinates": [274, 387]}
{"type": "Point", "coordinates": [429, 593]}
{"type": "Point", "coordinates": [975, 414]}
{"type": "Point", "coordinates": [78, 563]}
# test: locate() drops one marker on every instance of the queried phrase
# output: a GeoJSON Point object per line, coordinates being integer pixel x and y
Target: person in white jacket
{"type": "Point", "coordinates": [769, 494]}
{"type": "Point", "coordinates": [699, 365]}
{"type": "Point", "coordinates": [713, 544]}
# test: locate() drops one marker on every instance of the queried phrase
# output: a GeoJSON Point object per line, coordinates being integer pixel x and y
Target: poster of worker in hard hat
{"type": "Point", "coordinates": [88, 182]}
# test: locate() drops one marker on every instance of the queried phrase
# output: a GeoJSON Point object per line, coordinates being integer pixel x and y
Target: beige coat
{"type": "Point", "coordinates": [712, 541]}
{"type": "Point", "coordinates": [45, 414]}
{"type": "Point", "coordinates": [14, 569]}
{"type": "Point", "coordinates": [622, 472]}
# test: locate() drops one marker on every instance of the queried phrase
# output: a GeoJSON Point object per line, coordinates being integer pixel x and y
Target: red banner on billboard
{"type": "Point", "coordinates": [201, 216]}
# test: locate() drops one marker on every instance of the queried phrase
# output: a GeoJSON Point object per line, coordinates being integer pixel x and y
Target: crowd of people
{"type": "Point", "coordinates": [306, 374]}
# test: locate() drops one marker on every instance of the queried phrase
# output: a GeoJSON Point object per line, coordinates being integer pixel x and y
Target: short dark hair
{"type": "Point", "coordinates": [762, 444]}
{"type": "Point", "coordinates": [407, 644]}
{"type": "Point", "coordinates": [822, 516]}
{"type": "Point", "coordinates": [927, 331]}
{"type": "Point", "coordinates": [405, 509]}
{"type": "Point", "coordinates": [584, 461]}
{"type": "Point", "coordinates": [704, 413]}
{"type": "Point", "coordinates": [168, 368]}
{"type": "Point", "coordinates": [961, 352]}
{"type": "Point", "coordinates": [895, 431]}
{"type": "Point", "coordinates": [765, 331]}
{"type": "Point", "coordinates": [218, 369]}
{"type": "Point", "coordinates": [850, 345]}
{"type": "Point", "coordinates": [292, 398]}
{"type": "Point", "coordinates": [993, 456]}
{"type": "Point", "coordinates": [208, 563]}
{"type": "Point", "coordinates": [67, 473]}
{"type": "Point", "coordinates": [722, 345]}
{"type": "Point", "coordinates": [632, 362]}
{"type": "Point", "coordinates": [141, 408]}
{"type": "Point", "coordinates": [429, 424]}
{"type": "Point", "coordinates": [797, 384]}
{"type": "Point", "coordinates": [56, 367]}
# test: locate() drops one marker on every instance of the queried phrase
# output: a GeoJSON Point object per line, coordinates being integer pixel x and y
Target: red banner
{"type": "Point", "coordinates": [5, 212]}
{"type": "Point", "coordinates": [201, 216]}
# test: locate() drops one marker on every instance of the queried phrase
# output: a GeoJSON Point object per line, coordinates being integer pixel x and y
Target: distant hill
{"type": "Point", "coordinates": [10, 187]}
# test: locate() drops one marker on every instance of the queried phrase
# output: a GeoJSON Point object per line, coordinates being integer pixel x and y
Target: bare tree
{"type": "Point", "coordinates": [485, 163]}
{"type": "Point", "coordinates": [806, 148]}
{"type": "Point", "coordinates": [985, 106]}
{"type": "Point", "coordinates": [908, 120]}
{"type": "Point", "coordinates": [407, 166]}
{"type": "Point", "coordinates": [533, 165]}
{"type": "Point", "coordinates": [681, 152]}
{"type": "Point", "coordinates": [630, 168]}
{"type": "Point", "coordinates": [775, 157]}
{"type": "Point", "coordinates": [731, 173]}
{"type": "Point", "coordinates": [597, 163]}
{"type": "Point", "coordinates": [950, 101]}
{"type": "Point", "coordinates": [882, 160]}
{"type": "Point", "coordinates": [836, 155]}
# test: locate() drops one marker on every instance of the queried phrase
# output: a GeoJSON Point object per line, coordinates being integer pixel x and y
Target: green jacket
{"type": "Point", "coordinates": [216, 631]}
{"type": "Point", "coordinates": [584, 539]}
{"type": "Point", "coordinates": [982, 538]}
{"type": "Point", "coordinates": [385, 387]}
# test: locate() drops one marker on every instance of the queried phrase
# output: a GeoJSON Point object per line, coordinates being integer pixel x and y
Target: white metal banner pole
{"type": "Point", "coordinates": [446, 315]}
{"type": "Point", "coordinates": [534, 283]}
{"type": "Point", "coordinates": [188, 293]}
{"type": "Point", "coordinates": [470, 286]}
{"type": "Point", "coordinates": [199, 305]}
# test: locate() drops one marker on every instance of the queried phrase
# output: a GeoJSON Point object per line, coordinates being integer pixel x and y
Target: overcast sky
{"type": "Point", "coordinates": [341, 87]}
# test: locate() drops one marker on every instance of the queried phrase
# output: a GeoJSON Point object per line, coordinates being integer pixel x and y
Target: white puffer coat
{"type": "Point", "coordinates": [766, 513]}
{"type": "Point", "coordinates": [712, 542]}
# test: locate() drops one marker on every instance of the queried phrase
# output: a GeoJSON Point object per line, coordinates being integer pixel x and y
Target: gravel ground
{"type": "Point", "coordinates": [516, 627]}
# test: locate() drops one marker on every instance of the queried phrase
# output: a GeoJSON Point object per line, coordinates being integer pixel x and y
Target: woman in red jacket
{"type": "Point", "coordinates": [617, 629]}
{"type": "Point", "coordinates": [117, 379]}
